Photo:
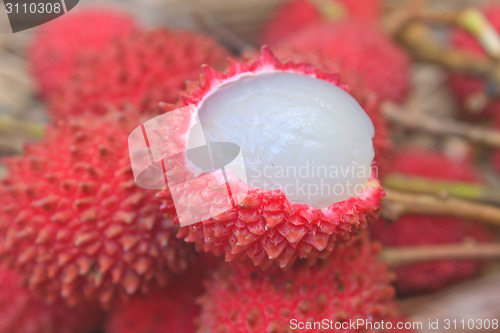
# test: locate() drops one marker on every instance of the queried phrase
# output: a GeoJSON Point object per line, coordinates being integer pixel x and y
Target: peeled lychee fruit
{"type": "Point", "coordinates": [21, 312]}
{"type": "Point", "coordinates": [295, 15]}
{"type": "Point", "coordinates": [56, 47]}
{"type": "Point", "coordinates": [141, 70]}
{"type": "Point", "coordinates": [302, 179]}
{"type": "Point", "coordinates": [350, 285]}
{"type": "Point", "coordinates": [467, 88]}
{"type": "Point", "coordinates": [74, 223]}
{"type": "Point", "coordinates": [359, 52]}
{"type": "Point", "coordinates": [414, 230]}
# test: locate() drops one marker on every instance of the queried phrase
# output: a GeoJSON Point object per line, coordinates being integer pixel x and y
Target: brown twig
{"type": "Point", "coordinates": [439, 126]}
{"type": "Point", "coordinates": [461, 190]}
{"type": "Point", "coordinates": [10, 124]}
{"type": "Point", "coordinates": [398, 203]}
{"type": "Point", "coordinates": [397, 256]}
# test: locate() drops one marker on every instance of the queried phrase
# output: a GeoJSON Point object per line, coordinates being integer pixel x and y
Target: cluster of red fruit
{"type": "Point", "coordinates": [83, 247]}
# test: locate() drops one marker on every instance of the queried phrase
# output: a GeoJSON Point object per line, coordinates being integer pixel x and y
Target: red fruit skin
{"type": "Point", "coordinates": [140, 71]}
{"type": "Point", "coordinates": [55, 48]}
{"type": "Point", "coordinates": [172, 309]}
{"type": "Point", "coordinates": [362, 55]}
{"type": "Point", "coordinates": [295, 15]}
{"type": "Point", "coordinates": [413, 230]}
{"type": "Point", "coordinates": [465, 86]}
{"type": "Point", "coordinates": [351, 284]}
{"type": "Point", "coordinates": [265, 227]}
{"type": "Point", "coordinates": [21, 312]}
{"type": "Point", "coordinates": [74, 223]}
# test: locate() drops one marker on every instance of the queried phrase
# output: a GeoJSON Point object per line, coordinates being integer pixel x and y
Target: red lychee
{"type": "Point", "coordinates": [295, 15]}
{"type": "Point", "coordinates": [359, 52]}
{"type": "Point", "coordinates": [21, 312]}
{"type": "Point", "coordinates": [281, 116]}
{"type": "Point", "coordinates": [467, 87]}
{"type": "Point", "coordinates": [55, 48]}
{"type": "Point", "coordinates": [350, 285]}
{"type": "Point", "coordinates": [172, 309]}
{"type": "Point", "coordinates": [74, 223]}
{"type": "Point", "coordinates": [417, 230]}
{"type": "Point", "coordinates": [140, 70]}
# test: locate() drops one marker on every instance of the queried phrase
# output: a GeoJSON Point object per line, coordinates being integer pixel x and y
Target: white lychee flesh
{"type": "Point", "coordinates": [296, 133]}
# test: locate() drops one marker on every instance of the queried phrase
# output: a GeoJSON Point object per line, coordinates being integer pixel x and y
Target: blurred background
{"type": "Point", "coordinates": [237, 24]}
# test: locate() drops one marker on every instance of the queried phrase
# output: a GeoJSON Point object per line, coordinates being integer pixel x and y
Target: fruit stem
{"type": "Point", "coordinates": [410, 29]}
{"type": "Point", "coordinates": [472, 20]}
{"type": "Point", "coordinates": [398, 203]}
{"type": "Point", "coordinates": [397, 256]}
{"type": "Point", "coordinates": [438, 126]}
{"type": "Point", "coordinates": [10, 124]}
{"type": "Point", "coordinates": [461, 190]}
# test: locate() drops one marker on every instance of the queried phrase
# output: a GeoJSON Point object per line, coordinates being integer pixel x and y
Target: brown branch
{"type": "Point", "coordinates": [397, 204]}
{"type": "Point", "coordinates": [397, 256]}
{"type": "Point", "coordinates": [9, 124]}
{"type": "Point", "coordinates": [439, 126]}
{"type": "Point", "coordinates": [461, 190]}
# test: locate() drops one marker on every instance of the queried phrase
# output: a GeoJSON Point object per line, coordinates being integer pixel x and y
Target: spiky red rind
{"type": "Point", "coordinates": [22, 312]}
{"type": "Point", "coordinates": [138, 71]}
{"type": "Point", "coordinates": [265, 227]}
{"type": "Point", "coordinates": [350, 284]}
{"type": "Point", "coordinates": [55, 49]}
{"type": "Point", "coordinates": [74, 223]}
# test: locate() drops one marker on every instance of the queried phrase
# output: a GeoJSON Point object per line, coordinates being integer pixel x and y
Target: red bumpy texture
{"type": "Point", "coordinates": [54, 51]}
{"type": "Point", "coordinates": [74, 223]}
{"type": "Point", "coordinates": [295, 15]}
{"type": "Point", "coordinates": [141, 70]}
{"type": "Point", "coordinates": [172, 309]}
{"type": "Point", "coordinates": [351, 284]}
{"type": "Point", "coordinates": [465, 87]}
{"type": "Point", "coordinates": [21, 312]}
{"type": "Point", "coordinates": [431, 230]}
{"type": "Point", "coordinates": [265, 227]}
{"type": "Point", "coordinates": [359, 52]}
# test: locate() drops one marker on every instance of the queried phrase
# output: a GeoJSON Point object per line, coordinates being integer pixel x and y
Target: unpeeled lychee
{"type": "Point", "coordinates": [140, 70]}
{"type": "Point", "coordinates": [171, 309]}
{"type": "Point", "coordinates": [279, 115]}
{"type": "Point", "coordinates": [359, 52]}
{"type": "Point", "coordinates": [74, 223]}
{"type": "Point", "coordinates": [21, 312]}
{"type": "Point", "coordinates": [55, 49]}
{"type": "Point", "coordinates": [351, 284]}
{"type": "Point", "coordinates": [465, 87]}
{"type": "Point", "coordinates": [417, 230]}
{"type": "Point", "coordinates": [161, 310]}
{"type": "Point", "coordinates": [295, 15]}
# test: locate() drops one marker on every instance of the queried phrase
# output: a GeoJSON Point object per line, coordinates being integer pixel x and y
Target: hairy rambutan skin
{"type": "Point", "coordinates": [464, 86]}
{"type": "Point", "coordinates": [22, 312]}
{"type": "Point", "coordinates": [295, 15]}
{"type": "Point", "coordinates": [265, 227]}
{"type": "Point", "coordinates": [74, 223]}
{"type": "Point", "coordinates": [351, 284]}
{"type": "Point", "coordinates": [414, 230]}
{"type": "Point", "coordinates": [140, 70]}
{"type": "Point", "coordinates": [55, 49]}
{"type": "Point", "coordinates": [361, 54]}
